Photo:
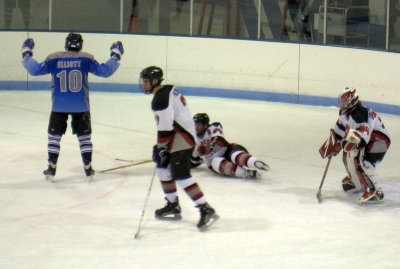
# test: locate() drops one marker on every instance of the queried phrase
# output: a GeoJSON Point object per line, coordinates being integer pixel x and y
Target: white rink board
{"type": "Point", "coordinates": [309, 70]}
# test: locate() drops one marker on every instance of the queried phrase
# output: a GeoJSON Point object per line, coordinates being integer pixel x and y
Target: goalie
{"type": "Point", "coordinates": [361, 134]}
{"type": "Point", "coordinates": [219, 155]}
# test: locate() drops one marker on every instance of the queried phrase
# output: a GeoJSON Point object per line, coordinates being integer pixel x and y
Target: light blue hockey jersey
{"type": "Point", "coordinates": [69, 72]}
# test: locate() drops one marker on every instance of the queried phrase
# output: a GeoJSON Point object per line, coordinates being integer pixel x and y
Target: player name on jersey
{"type": "Point", "coordinates": [69, 64]}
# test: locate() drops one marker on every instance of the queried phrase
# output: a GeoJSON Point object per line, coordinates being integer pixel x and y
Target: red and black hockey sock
{"type": "Point", "coordinates": [169, 188]}
{"type": "Point", "coordinates": [242, 158]}
{"type": "Point", "coordinates": [227, 168]}
{"type": "Point", "coordinates": [194, 192]}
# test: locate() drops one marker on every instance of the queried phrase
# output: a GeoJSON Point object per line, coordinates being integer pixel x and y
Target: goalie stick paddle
{"type": "Point", "coordinates": [323, 179]}
{"type": "Point", "coordinates": [124, 166]}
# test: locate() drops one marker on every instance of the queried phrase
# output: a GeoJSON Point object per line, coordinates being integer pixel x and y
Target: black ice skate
{"type": "Point", "coordinates": [348, 184]}
{"type": "Point", "coordinates": [50, 172]}
{"type": "Point", "coordinates": [207, 216]}
{"type": "Point", "coordinates": [173, 209]}
{"type": "Point", "coordinates": [251, 174]}
{"type": "Point", "coordinates": [89, 171]}
{"type": "Point", "coordinates": [261, 165]}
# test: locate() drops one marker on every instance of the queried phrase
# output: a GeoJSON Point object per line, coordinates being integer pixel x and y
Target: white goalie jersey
{"type": "Point", "coordinates": [212, 144]}
{"type": "Point", "coordinates": [365, 121]}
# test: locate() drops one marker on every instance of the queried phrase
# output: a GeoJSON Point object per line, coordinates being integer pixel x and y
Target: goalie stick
{"type": "Point", "coordinates": [322, 181]}
{"type": "Point", "coordinates": [124, 166]}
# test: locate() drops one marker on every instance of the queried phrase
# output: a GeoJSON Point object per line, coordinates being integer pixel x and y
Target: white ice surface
{"type": "Point", "coordinates": [274, 222]}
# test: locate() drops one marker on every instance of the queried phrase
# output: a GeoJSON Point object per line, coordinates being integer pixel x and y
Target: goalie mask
{"type": "Point", "coordinates": [74, 42]}
{"type": "Point", "coordinates": [347, 100]}
{"type": "Point", "coordinates": [204, 120]}
{"type": "Point", "coordinates": [147, 79]}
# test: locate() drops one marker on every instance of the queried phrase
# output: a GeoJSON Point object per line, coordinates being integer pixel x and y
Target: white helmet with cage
{"type": "Point", "coordinates": [347, 99]}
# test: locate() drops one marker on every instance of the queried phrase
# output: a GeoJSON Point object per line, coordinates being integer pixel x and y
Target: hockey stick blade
{"type": "Point", "coordinates": [319, 197]}
{"type": "Point", "coordinates": [123, 160]}
{"type": "Point", "coordinates": [124, 166]}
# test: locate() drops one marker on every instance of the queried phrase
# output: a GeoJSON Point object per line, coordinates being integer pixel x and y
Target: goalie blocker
{"type": "Point", "coordinates": [331, 147]}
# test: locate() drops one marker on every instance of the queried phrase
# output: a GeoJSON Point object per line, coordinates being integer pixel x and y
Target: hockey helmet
{"type": "Point", "coordinates": [204, 120]}
{"type": "Point", "coordinates": [347, 99]}
{"type": "Point", "coordinates": [151, 73]}
{"type": "Point", "coordinates": [74, 42]}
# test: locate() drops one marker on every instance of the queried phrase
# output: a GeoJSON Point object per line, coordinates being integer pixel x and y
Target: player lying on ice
{"type": "Point", "coordinates": [219, 155]}
{"type": "Point", "coordinates": [361, 134]}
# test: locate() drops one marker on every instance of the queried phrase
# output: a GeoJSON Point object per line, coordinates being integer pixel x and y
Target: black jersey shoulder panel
{"type": "Point", "coordinates": [161, 98]}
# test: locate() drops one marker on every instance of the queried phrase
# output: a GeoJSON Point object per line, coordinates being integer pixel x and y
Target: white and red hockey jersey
{"type": "Point", "coordinates": [175, 126]}
{"type": "Point", "coordinates": [212, 144]}
{"type": "Point", "coordinates": [375, 136]}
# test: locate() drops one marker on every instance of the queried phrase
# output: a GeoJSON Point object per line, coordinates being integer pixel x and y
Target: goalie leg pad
{"type": "Point", "coordinates": [351, 164]}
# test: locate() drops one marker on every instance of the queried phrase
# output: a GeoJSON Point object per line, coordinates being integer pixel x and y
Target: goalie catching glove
{"type": "Point", "coordinates": [331, 147]}
{"type": "Point", "coordinates": [351, 140]}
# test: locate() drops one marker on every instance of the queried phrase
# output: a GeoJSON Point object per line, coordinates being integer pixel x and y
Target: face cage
{"type": "Point", "coordinates": [351, 101]}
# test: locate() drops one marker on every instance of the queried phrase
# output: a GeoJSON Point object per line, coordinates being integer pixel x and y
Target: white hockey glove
{"type": "Point", "coordinates": [27, 48]}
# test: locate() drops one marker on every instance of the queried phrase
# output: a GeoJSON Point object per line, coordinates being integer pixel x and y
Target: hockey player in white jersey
{"type": "Point", "coordinates": [219, 155]}
{"type": "Point", "coordinates": [361, 134]}
{"type": "Point", "coordinates": [175, 144]}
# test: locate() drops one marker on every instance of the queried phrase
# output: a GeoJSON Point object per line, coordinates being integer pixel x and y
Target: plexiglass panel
{"type": "Point", "coordinates": [350, 23]}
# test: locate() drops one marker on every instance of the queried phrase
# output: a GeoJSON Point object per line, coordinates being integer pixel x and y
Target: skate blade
{"type": "Point", "coordinates": [49, 178]}
{"type": "Point", "coordinates": [169, 217]}
{"type": "Point", "coordinates": [373, 203]}
{"type": "Point", "coordinates": [90, 179]}
{"type": "Point", "coordinates": [212, 220]}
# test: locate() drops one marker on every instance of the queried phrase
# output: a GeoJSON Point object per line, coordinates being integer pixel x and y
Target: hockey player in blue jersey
{"type": "Point", "coordinates": [70, 94]}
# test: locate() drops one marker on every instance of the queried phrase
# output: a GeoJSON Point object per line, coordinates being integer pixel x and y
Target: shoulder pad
{"type": "Point", "coordinates": [216, 124]}
{"type": "Point", "coordinates": [360, 114]}
{"type": "Point", "coordinates": [161, 98]}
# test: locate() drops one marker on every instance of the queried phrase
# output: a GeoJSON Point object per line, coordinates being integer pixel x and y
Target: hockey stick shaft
{"type": "Point", "coordinates": [145, 205]}
{"type": "Point", "coordinates": [124, 166]}
{"type": "Point", "coordinates": [323, 179]}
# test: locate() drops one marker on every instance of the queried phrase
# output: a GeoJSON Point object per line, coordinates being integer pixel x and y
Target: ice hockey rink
{"type": "Point", "coordinates": [273, 222]}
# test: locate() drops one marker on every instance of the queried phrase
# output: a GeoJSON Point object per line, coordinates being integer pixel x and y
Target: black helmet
{"type": "Point", "coordinates": [151, 73]}
{"type": "Point", "coordinates": [73, 41]}
{"type": "Point", "coordinates": [204, 120]}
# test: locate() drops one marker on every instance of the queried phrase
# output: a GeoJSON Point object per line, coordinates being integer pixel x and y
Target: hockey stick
{"type": "Point", "coordinates": [322, 181]}
{"type": "Point", "coordinates": [145, 204]}
{"type": "Point", "coordinates": [120, 167]}
{"type": "Point", "coordinates": [124, 160]}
